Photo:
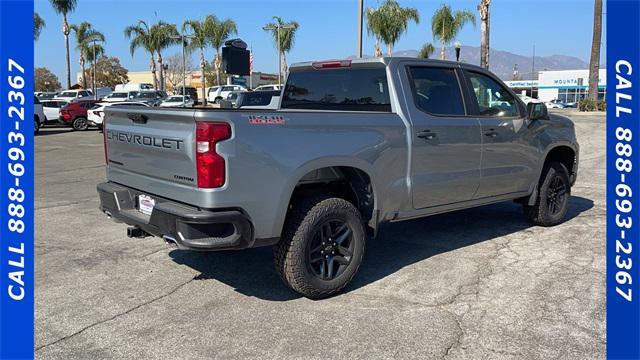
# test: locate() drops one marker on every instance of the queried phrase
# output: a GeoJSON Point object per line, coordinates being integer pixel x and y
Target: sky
{"type": "Point", "coordinates": [328, 28]}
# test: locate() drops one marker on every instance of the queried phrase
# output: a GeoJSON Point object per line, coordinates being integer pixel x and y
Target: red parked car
{"type": "Point", "coordinates": [75, 114]}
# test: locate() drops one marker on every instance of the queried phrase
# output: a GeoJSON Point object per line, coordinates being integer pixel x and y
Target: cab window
{"type": "Point", "coordinates": [492, 98]}
{"type": "Point", "coordinates": [436, 91]}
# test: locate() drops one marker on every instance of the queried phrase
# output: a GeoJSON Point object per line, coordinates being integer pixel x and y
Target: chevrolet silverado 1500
{"type": "Point", "coordinates": [353, 144]}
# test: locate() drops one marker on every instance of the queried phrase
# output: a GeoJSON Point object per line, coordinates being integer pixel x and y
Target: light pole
{"type": "Point", "coordinates": [360, 15]}
{"type": "Point", "coordinates": [95, 64]}
{"type": "Point", "coordinates": [457, 46]}
{"type": "Point", "coordinates": [182, 37]}
{"type": "Point", "coordinates": [277, 28]}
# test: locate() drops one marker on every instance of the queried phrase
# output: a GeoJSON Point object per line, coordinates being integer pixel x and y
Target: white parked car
{"type": "Point", "coordinates": [52, 108]}
{"type": "Point", "coordinates": [176, 101]}
{"type": "Point", "coordinates": [39, 117]}
{"type": "Point", "coordinates": [555, 104]}
{"type": "Point", "coordinates": [119, 96]}
{"type": "Point", "coordinates": [268, 87]}
{"type": "Point", "coordinates": [95, 115]}
{"type": "Point", "coordinates": [134, 87]}
{"type": "Point", "coordinates": [217, 93]}
{"type": "Point", "coordinates": [71, 95]}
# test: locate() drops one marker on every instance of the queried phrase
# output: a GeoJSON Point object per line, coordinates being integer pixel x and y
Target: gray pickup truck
{"type": "Point", "coordinates": [353, 144]}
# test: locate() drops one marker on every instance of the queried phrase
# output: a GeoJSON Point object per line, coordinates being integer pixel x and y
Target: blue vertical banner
{"type": "Point", "coordinates": [16, 179]}
{"type": "Point", "coordinates": [623, 182]}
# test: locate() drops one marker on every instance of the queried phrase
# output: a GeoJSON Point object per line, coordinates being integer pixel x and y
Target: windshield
{"type": "Point", "coordinates": [68, 94]}
{"type": "Point", "coordinates": [118, 95]}
{"type": "Point", "coordinates": [175, 99]}
{"type": "Point", "coordinates": [146, 95]}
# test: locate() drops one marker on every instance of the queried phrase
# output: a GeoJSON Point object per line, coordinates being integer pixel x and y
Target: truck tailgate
{"type": "Point", "coordinates": [156, 143]}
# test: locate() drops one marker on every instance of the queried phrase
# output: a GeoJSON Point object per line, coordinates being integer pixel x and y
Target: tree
{"type": "Point", "coordinates": [287, 36]}
{"type": "Point", "coordinates": [220, 32]}
{"type": "Point", "coordinates": [38, 25]}
{"type": "Point", "coordinates": [389, 22]}
{"type": "Point", "coordinates": [85, 35]}
{"type": "Point", "coordinates": [174, 73]}
{"type": "Point", "coordinates": [201, 32]}
{"type": "Point", "coordinates": [45, 80]}
{"type": "Point", "coordinates": [446, 25]}
{"type": "Point", "coordinates": [483, 8]}
{"type": "Point", "coordinates": [140, 36]}
{"type": "Point", "coordinates": [427, 50]}
{"type": "Point", "coordinates": [64, 7]}
{"type": "Point", "coordinates": [594, 64]}
{"type": "Point", "coordinates": [109, 72]}
{"type": "Point", "coordinates": [163, 35]}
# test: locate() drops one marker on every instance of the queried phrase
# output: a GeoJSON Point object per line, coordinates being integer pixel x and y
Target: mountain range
{"type": "Point", "coordinates": [502, 62]}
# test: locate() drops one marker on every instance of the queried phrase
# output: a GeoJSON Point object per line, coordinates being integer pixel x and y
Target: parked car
{"type": "Point", "coordinates": [103, 92]}
{"type": "Point", "coordinates": [189, 90]}
{"type": "Point", "coordinates": [217, 93]}
{"type": "Point", "coordinates": [232, 97]}
{"type": "Point", "coordinates": [45, 95]}
{"type": "Point", "coordinates": [75, 114]}
{"type": "Point", "coordinates": [39, 118]}
{"type": "Point", "coordinates": [133, 87]}
{"type": "Point", "coordinates": [258, 99]}
{"type": "Point", "coordinates": [73, 95]}
{"type": "Point", "coordinates": [177, 101]}
{"type": "Point", "coordinates": [95, 115]}
{"type": "Point", "coordinates": [268, 87]}
{"type": "Point", "coordinates": [52, 108]}
{"type": "Point", "coordinates": [119, 96]}
{"type": "Point", "coordinates": [527, 99]}
{"type": "Point", "coordinates": [555, 104]}
{"type": "Point", "coordinates": [152, 98]}
{"type": "Point", "coordinates": [368, 141]}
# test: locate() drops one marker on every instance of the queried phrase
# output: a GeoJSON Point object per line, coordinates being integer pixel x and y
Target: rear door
{"type": "Point", "coordinates": [509, 153]}
{"type": "Point", "coordinates": [446, 151]}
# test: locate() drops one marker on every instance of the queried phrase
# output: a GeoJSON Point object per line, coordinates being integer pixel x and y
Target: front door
{"type": "Point", "coordinates": [446, 151]}
{"type": "Point", "coordinates": [509, 154]}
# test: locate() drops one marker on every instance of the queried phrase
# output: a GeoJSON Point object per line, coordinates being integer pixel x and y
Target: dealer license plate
{"type": "Point", "coordinates": [146, 204]}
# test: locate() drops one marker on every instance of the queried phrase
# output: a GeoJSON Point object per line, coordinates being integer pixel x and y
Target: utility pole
{"type": "Point", "coordinates": [277, 28]}
{"type": "Point", "coordinates": [360, 16]}
{"type": "Point", "coordinates": [533, 68]}
{"type": "Point", "coordinates": [182, 38]}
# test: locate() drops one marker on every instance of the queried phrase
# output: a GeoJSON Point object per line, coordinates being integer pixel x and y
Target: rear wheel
{"type": "Point", "coordinates": [80, 124]}
{"type": "Point", "coordinates": [321, 248]}
{"type": "Point", "coordinates": [554, 192]}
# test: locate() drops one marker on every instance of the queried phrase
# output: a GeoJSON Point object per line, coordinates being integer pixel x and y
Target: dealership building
{"type": "Point", "coordinates": [567, 86]}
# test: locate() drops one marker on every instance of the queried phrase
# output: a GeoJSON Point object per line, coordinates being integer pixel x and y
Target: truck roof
{"type": "Point", "coordinates": [378, 60]}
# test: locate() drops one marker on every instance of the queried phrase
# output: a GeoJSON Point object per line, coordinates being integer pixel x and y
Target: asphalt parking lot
{"type": "Point", "coordinates": [474, 284]}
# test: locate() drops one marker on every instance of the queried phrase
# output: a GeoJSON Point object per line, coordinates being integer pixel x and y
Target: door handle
{"type": "Point", "coordinates": [491, 133]}
{"type": "Point", "coordinates": [426, 134]}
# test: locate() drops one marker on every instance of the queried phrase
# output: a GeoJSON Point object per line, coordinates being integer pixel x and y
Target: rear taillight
{"type": "Point", "coordinates": [210, 166]}
{"type": "Point", "coordinates": [104, 140]}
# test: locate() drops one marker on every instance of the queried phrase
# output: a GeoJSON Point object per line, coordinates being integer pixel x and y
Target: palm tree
{"type": "Point", "coordinates": [140, 36]}
{"type": "Point", "coordinates": [85, 35]}
{"type": "Point", "coordinates": [446, 25]}
{"type": "Point", "coordinates": [163, 35]}
{"type": "Point", "coordinates": [64, 7]}
{"type": "Point", "coordinates": [483, 8]}
{"type": "Point", "coordinates": [38, 25]}
{"type": "Point", "coordinates": [287, 36]}
{"type": "Point", "coordinates": [220, 32]}
{"type": "Point", "coordinates": [390, 21]}
{"type": "Point", "coordinates": [594, 64]}
{"type": "Point", "coordinates": [201, 31]}
{"type": "Point", "coordinates": [427, 50]}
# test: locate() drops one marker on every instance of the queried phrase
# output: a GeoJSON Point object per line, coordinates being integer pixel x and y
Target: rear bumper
{"type": "Point", "coordinates": [186, 226]}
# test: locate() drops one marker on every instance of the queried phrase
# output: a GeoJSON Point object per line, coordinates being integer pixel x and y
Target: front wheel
{"type": "Point", "coordinates": [322, 247]}
{"type": "Point", "coordinates": [36, 126]}
{"type": "Point", "coordinates": [554, 192]}
{"type": "Point", "coordinates": [80, 124]}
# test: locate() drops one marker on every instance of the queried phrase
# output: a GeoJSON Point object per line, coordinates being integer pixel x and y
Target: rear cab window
{"type": "Point", "coordinates": [436, 90]}
{"type": "Point", "coordinates": [341, 89]}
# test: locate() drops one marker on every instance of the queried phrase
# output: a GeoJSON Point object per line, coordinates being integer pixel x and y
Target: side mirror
{"type": "Point", "coordinates": [537, 111]}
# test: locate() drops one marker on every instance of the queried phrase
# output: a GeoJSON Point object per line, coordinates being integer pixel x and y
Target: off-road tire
{"type": "Point", "coordinates": [303, 221]}
{"type": "Point", "coordinates": [80, 124]}
{"type": "Point", "coordinates": [540, 214]}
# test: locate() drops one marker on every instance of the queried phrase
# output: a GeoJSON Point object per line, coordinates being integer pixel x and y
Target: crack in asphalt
{"type": "Point", "coordinates": [67, 204]}
{"type": "Point", "coordinates": [67, 337]}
